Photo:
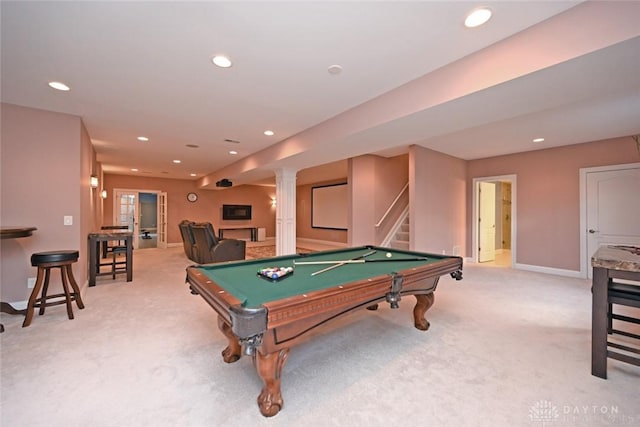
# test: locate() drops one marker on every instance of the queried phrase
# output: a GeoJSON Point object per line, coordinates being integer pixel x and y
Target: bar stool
{"type": "Point", "coordinates": [626, 295]}
{"type": "Point", "coordinates": [115, 252]}
{"type": "Point", "coordinates": [45, 261]}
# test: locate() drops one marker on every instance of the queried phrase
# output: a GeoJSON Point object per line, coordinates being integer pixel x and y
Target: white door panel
{"type": "Point", "coordinates": [487, 222]}
{"type": "Point", "coordinates": [162, 220]}
{"type": "Point", "coordinates": [613, 208]}
{"type": "Point", "coordinates": [125, 212]}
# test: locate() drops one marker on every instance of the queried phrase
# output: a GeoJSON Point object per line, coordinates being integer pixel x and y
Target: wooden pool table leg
{"type": "Point", "coordinates": [269, 367]}
{"type": "Point", "coordinates": [233, 351]}
{"type": "Point", "coordinates": [423, 303]}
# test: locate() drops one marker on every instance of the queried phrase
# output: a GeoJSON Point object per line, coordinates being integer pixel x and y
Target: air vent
{"type": "Point", "coordinates": [233, 141]}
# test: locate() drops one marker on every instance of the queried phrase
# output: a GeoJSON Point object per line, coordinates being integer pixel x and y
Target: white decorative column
{"type": "Point", "coordinates": [285, 211]}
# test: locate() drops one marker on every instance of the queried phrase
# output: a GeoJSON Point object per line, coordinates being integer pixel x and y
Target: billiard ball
{"type": "Point", "coordinates": [389, 254]}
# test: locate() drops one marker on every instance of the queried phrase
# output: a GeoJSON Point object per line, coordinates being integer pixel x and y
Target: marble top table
{"type": "Point", "coordinates": [619, 257]}
{"type": "Point", "coordinates": [609, 262]}
{"type": "Point", "coordinates": [94, 239]}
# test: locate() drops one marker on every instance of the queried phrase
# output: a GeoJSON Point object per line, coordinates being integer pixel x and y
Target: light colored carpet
{"type": "Point", "coordinates": [505, 348]}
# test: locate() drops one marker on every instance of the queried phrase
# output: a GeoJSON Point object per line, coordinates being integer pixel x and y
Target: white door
{"type": "Point", "coordinates": [486, 221]}
{"type": "Point", "coordinates": [162, 220]}
{"type": "Point", "coordinates": [613, 208]}
{"type": "Point", "coordinates": [125, 212]}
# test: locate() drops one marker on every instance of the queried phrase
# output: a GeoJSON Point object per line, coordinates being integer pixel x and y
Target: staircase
{"type": "Point", "coordinates": [401, 239]}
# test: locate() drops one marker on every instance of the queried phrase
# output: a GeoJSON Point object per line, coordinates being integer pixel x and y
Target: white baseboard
{"type": "Point", "coordinates": [549, 270]}
{"type": "Point", "coordinates": [19, 305]}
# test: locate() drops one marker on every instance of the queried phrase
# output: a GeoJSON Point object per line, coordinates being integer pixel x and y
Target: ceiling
{"type": "Point", "coordinates": [412, 73]}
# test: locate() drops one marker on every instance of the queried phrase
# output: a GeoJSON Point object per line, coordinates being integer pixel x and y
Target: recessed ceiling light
{"type": "Point", "coordinates": [193, 174]}
{"type": "Point", "coordinates": [477, 17]}
{"type": "Point", "coordinates": [269, 132]}
{"type": "Point", "coordinates": [221, 61]}
{"type": "Point", "coordinates": [143, 138]}
{"type": "Point", "coordinates": [134, 170]}
{"type": "Point", "coordinates": [538, 140]}
{"type": "Point", "coordinates": [334, 69]}
{"type": "Point", "coordinates": [233, 152]}
{"type": "Point", "coordinates": [59, 86]}
{"type": "Point", "coordinates": [177, 161]}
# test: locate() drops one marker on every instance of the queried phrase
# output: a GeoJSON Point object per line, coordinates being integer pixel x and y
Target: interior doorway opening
{"type": "Point", "coordinates": [609, 209]}
{"type": "Point", "coordinates": [494, 225]}
{"type": "Point", "coordinates": [148, 220]}
{"type": "Point", "coordinates": [144, 213]}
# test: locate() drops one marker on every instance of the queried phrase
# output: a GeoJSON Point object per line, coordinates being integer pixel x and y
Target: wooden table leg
{"type": "Point", "coordinates": [423, 303]}
{"type": "Point", "coordinates": [129, 261]}
{"type": "Point", "coordinates": [599, 314]}
{"type": "Point", "coordinates": [233, 351]}
{"type": "Point", "coordinates": [94, 262]}
{"type": "Point", "coordinates": [269, 367]}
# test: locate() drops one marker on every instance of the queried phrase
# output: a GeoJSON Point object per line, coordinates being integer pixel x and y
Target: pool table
{"type": "Point", "coordinates": [264, 318]}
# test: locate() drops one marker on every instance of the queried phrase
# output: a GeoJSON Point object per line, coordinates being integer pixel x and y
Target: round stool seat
{"type": "Point", "coordinates": [53, 256]}
{"type": "Point", "coordinates": [46, 261]}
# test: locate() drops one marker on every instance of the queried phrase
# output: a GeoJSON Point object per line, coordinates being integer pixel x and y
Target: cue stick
{"type": "Point", "coordinates": [341, 263]}
{"type": "Point", "coordinates": [357, 261]}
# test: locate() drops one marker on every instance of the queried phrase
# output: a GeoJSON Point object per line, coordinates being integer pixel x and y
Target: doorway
{"type": "Point", "coordinates": [148, 220]}
{"type": "Point", "coordinates": [609, 209]}
{"type": "Point", "coordinates": [144, 212]}
{"type": "Point", "coordinates": [493, 220]}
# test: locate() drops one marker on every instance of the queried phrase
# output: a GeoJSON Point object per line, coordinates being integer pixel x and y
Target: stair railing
{"type": "Point", "coordinates": [406, 186]}
{"type": "Point", "coordinates": [395, 228]}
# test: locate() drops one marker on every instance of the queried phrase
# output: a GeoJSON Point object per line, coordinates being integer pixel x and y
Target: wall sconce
{"type": "Point", "coordinates": [103, 194]}
{"type": "Point", "coordinates": [273, 202]}
{"type": "Point", "coordinates": [94, 181]}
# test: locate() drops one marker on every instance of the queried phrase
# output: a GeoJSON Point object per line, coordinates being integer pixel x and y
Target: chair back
{"type": "Point", "coordinates": [110, 246]}
{"type": "Point", "coordinates": [203, 243]}
{"type": "Point", "coordinates": [187, 238]}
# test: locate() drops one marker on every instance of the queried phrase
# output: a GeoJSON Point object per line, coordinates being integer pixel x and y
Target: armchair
{"type": "Point", "coordinates": [187, 238]}
{"type": "Point", "coordinates": [208, 249]}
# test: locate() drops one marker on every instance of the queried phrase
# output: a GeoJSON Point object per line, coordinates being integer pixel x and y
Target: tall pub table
{"type": "Point", "coordinates": [610, 263]}
{"type": "Point", "coordinates": [94, 241]}
{"type": "Point", "coordinates": [13, 233]}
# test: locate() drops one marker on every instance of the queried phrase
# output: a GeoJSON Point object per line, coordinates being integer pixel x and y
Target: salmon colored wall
{"type": "Point", "coordinates": [45, 160]}
{"type": "Point", "coordinates": [437, 192]}
{"type": "Point", "coordinates": [362, 173]}
{"type": "Point", "coordinates": [548, 196]}
{"type": "Point", "coordinates": [375, 183]}
{"type": "Point", "coordinates": [391, 175]}
{"type": "Point", "coordinates": [90, 200]}
{"type": "Point", "coordinates": [208, 207]}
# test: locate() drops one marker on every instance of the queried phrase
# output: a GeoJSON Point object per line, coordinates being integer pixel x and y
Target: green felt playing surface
{"type": "Point", "coordinates": [242, 281]}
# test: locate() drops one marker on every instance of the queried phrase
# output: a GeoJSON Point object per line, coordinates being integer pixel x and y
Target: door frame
{"type": "Point", "coordinates": [585, 262]}
{"type": "Point", "coordinates": [136, 230]}
{"type": "Point", "coordinates": [474, 213]}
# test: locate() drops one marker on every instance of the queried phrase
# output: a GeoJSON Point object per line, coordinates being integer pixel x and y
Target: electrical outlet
{"type": "Point", "coordinates": [68, 220]}
{"type": "Point", "coordinates": [31, 282]}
